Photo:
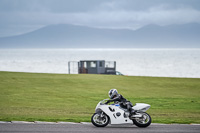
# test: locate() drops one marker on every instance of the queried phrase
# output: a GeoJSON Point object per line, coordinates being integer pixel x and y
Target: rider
{"type": "Point", "coordinates": [117, 98]}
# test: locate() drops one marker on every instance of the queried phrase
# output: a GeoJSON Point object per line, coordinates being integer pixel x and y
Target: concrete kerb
{"type": "Point", "coordinates": [158, 124]}
{"type": "Point", "coordinates": [85, 123]}
{"type": "Point", "coordinates": [43, 122]}
{"type": "Point", "coordinates": [38, 122]}
{"type": "Point", "coordinates": [5, 122]}
{"type": "Point", "coordinates": [21, 122]}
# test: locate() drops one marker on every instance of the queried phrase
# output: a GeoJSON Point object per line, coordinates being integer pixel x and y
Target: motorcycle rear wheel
{"type": "Point", "coordinates": [144, 121]}
{"type": "Point", "coordinates": [99, 121]}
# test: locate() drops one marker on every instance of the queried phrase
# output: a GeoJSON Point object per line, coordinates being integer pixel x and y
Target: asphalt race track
{"type": "Point", "coordinates": [89, 128]}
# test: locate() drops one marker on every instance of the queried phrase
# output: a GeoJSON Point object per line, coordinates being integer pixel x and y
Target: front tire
{"type": "Point", "coordinates": [144, 121]}
{"type": "Point", "coordinates": [100, 120]}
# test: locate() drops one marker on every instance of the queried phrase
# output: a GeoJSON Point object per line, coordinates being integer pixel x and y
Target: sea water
{"type": "Point", "coordinates": [134, 62]}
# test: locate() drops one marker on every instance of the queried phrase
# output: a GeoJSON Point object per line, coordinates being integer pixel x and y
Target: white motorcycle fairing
{"type": "Point", "coordinates": [141, 107]}
{"type": "Point", "coordinates": [118, 115]}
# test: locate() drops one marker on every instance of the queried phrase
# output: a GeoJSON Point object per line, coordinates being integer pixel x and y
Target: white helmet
{"type": "Point", "coordinates": [112, 93]}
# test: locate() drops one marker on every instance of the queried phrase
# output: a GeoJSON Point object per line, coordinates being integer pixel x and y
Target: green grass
{"type": "Point", "coordinates": [63, 97]}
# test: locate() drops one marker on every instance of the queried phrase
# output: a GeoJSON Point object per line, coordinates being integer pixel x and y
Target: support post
{"type": "Point", "coordinates": [78, 68]}
{"type": "Point", "coordinates": [69, 67]}
{"type": "Point", "coordinates": [115, 65]}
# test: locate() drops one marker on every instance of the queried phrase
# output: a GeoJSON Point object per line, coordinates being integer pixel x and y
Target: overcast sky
{"type": "Point", "coordinates": [21, 16]}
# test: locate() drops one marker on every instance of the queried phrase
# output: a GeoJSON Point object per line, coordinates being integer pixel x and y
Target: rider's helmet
{"type": "Point", "coordinates": [112, 93]}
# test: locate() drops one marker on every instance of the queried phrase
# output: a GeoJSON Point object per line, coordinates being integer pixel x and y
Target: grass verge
{"type": "Point", "coordinates": [73, 98]}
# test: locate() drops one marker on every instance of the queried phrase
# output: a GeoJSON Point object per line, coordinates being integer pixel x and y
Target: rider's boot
{"type": "Point", "coordinates": [132, 112]}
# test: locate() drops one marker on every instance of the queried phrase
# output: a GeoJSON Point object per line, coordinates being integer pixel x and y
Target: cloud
{"type": "Point", "coordinates": [107, 14]}
{"type": "Point", "coordinates": [114, 18]}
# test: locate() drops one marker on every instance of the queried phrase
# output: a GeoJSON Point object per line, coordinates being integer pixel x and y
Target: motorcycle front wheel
{"type": "Point", "coordinates": [144, 121]}
{"type": "Point", "coordinates": [100, 120]}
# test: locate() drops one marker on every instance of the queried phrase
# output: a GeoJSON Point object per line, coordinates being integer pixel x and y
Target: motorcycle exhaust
{"type": "Point", "coordinates": [136, 116]}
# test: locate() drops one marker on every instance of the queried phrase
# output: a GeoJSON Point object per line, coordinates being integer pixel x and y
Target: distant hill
{"type": "Point", "coordinates": [73, 36]}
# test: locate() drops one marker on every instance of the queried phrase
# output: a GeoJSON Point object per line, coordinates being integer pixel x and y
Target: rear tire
{"type": "Point", "coordinates": [100, 121]}
{"type": "Point", "coordinates": [144, 121]}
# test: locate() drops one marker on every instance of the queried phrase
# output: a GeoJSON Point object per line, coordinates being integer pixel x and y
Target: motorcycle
{"type": "Point", "coordinates": [116, 114]}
